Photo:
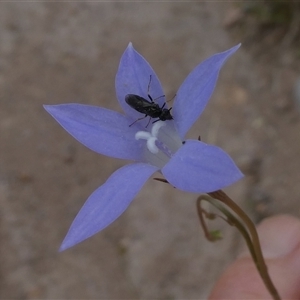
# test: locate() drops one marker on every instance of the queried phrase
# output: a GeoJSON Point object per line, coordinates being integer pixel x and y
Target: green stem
{"type": "Point", "coordinates": [261, 266]}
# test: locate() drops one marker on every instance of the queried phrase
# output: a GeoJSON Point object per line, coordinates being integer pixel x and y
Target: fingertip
{"type": "Point", "coordinates": [278, 235]}
{"type": "Point", "coordinates": [280, 240]}
{"type": "Point", "coordinates": [240, 281]}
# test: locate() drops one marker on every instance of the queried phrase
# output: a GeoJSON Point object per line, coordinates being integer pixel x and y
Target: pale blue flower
{"type": "Point", "coordinates": [189, 165]}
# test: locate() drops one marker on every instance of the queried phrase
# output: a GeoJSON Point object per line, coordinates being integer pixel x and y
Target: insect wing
{"type": "Point", "coordinates": [138, 103]}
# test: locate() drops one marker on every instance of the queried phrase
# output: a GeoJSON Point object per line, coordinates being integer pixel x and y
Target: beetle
{"type": "Point", "coordinates": [149, 108]}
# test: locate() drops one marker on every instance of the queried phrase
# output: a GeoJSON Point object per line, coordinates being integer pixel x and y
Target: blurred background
{"type": "Point", "coordinates": [52, 53]}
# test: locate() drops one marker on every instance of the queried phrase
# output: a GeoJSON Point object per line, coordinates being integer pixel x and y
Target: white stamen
{"type": "Point", "coordinates": [156, 127]}
{"type": "Point", "coordinates": [145, 135]}
{"type": "Point", "coordinates": [151, 137]}
{"type": "Point", "coordinates": [151, 145]}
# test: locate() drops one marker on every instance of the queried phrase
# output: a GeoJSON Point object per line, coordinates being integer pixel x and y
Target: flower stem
{"type": "Point", "coordinates": [253, 245]}
{"type": "Point", "coordinates": [260, 262]}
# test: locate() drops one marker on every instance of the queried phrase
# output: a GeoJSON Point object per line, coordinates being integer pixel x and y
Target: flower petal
{"type": "Point", "coordinates": [102, 130]}
{"type": "Point", "coordinates": [108, 202]}
{"type": "Point", "coordinates": [200, 168]}
{"type": "Point", "coordinates": [133, 77]}
{"type": "Point", "coordinates": [196, 90]}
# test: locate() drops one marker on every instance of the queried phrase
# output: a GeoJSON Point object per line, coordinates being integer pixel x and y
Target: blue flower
{"type": "Point", "coordinates": [190, 165]}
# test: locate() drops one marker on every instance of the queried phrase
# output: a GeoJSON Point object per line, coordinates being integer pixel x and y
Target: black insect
{"type": "Point", "coordinates": [149, 108]}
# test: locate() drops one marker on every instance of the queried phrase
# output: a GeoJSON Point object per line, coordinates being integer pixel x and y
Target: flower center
{"type": "Point", "coordinates": [161, 143]}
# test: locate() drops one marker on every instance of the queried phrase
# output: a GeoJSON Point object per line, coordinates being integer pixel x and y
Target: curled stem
{"type": "Point", "coordinates": [231, 220]}
{"type": "Point", "coordinates": [248, 231]}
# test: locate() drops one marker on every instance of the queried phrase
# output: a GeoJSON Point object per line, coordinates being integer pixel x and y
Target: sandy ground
{"type": "Point", "coordinates": [53, 53]}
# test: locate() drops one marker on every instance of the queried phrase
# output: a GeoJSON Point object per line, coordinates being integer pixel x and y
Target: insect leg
{"type": "Point", "coordinates": [155, 121]}
{"type": "Point", "coordinates": [139, 119]}
{"type": "Point", "coordinates": [158, 97]}
{"type": "Point", "coordinates": [148, 91]}
{"type": "Point", "coordinates": [148, 121]}
{"type": "Point", "coordinates": [171, 98]}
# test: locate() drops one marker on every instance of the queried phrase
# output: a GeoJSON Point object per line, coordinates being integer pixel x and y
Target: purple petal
{"type": "Point", "coordinates": [196, 90]}
{"type": "Point", "coordinates": [102, 130]}
{"type": "Point", "coordinates": [200, 168]}
{"type": "Point", "coordinates": [108, 202]}
{"type": "Point", "coordinates": [133, 78]}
